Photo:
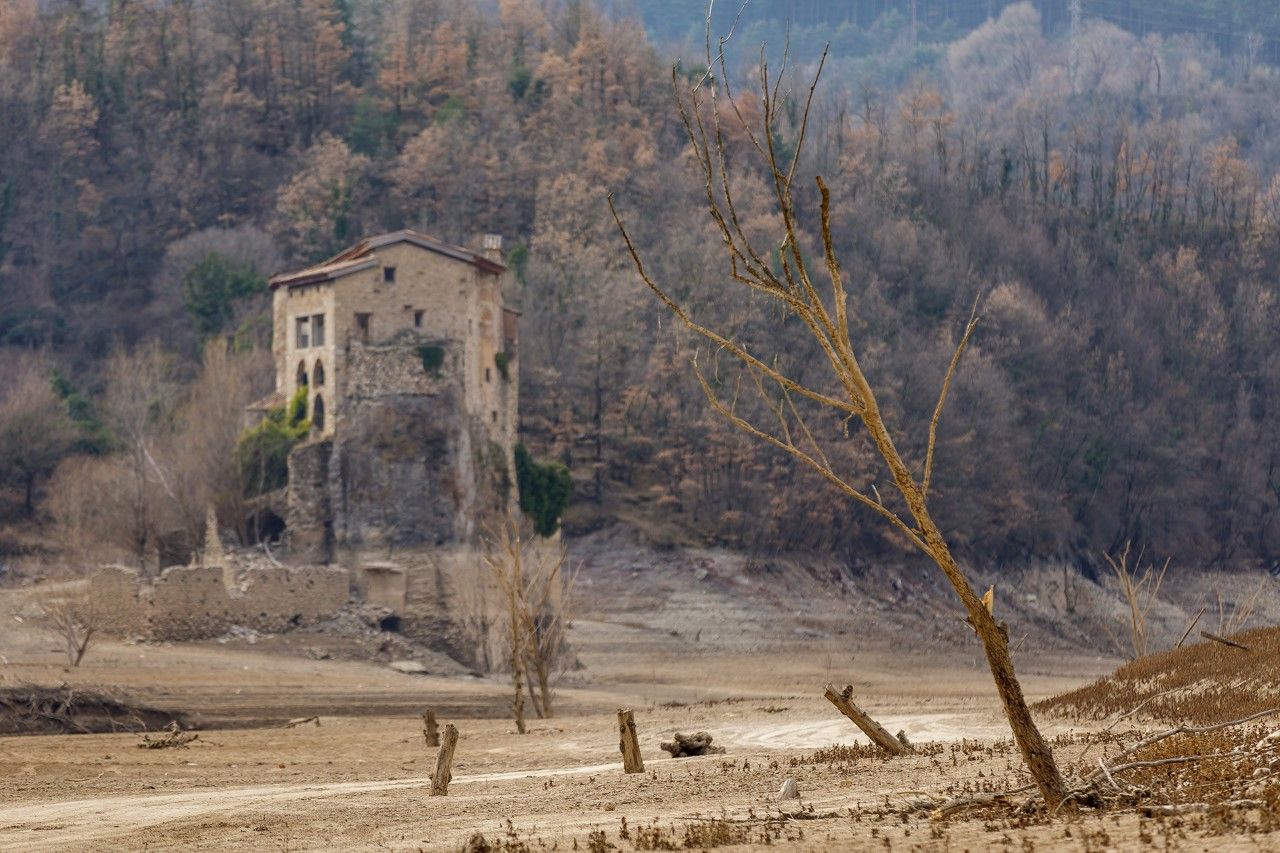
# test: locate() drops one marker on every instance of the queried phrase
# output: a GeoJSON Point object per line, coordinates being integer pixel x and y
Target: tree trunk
{"type": "Point", "coordinates": [444, 762]}
{"type": "Point", "coordinates": [629, 743]}
{"type": "Point", "coordinates": [1035, 751]}
{"type": "Point", "coordinates": [430, 733]}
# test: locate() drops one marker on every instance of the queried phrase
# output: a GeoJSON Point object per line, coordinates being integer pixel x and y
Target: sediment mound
{"type": "Point", "coordinates": [1200, 684]}
{"type": "Point", "coordinates": [28, 709]}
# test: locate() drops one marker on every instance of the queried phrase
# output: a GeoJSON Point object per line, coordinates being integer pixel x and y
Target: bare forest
{"type": "Point", "coordinates": [1111, 196]}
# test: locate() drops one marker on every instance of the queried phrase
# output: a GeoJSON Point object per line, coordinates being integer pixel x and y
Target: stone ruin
{"type": "Point", "coordinates": [199, 602]}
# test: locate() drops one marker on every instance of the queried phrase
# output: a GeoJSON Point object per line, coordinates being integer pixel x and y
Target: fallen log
{"type": "Point", "coordinates": [843, 700]}
{"type": "Point", "coordinates": [1224, 641]}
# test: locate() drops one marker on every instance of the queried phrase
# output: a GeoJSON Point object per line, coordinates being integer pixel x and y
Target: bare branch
{"type": "Point", "coordinates": [826, 472]}
{"type": "Point", "coordinates": [735, 349]}
{"type": "Point", "coordinates": [942, 396]}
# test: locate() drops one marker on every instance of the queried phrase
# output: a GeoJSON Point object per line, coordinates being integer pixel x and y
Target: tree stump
{"type": "Point", "coordinates": [444, 761]}
{"type": "Point", "coordinates": [629, 743]}
{"type": "Point", "coordinates": [430, 733]}
{"type": "Point", "coordinates": [684, 746]}
{"type": "Point", "coordinates": [843, 700]}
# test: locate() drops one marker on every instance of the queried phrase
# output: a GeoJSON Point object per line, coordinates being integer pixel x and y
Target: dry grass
{"type": "Point", "coordinates": [1198, 684]}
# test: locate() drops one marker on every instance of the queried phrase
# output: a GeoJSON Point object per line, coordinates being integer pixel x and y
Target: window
{"type": "Point", "coordinates": [488, 377]}
{"type": "Point", "coordinates": [317, 414]}
{"type": "Point", "coordinates": [317, 330]}
{"type": "Point", "coordinates": [494, 416]}
{"type": "Point", "coordinates": [417, 319]}
{"type": "Point", "coordinates": [362, 326]}
{"type": "Point", "coordinates": [302, 375]}
{"type": "Point", "coordinates": [317, 374]}
{"type": "Point", "coordinates": [300, 336]}
{"type": "Point", "coordinates": [389, 275]}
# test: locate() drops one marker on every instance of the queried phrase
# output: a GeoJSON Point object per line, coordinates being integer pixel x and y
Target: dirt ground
{"type": "Point", "coordinates": [746, 666]}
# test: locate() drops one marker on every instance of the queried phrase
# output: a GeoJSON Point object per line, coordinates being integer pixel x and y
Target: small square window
{"type": "Point", "coordinates": [494, 415]}
{"type": "Point", "coordinates": [417, 319]}
{"type": "Point", "coordinates": [389, 274]}
{"type": "Point", "coordinates": [301, 334]}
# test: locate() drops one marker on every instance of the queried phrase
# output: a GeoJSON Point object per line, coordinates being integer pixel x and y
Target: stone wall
{"type": "Point", "coordinates": [310, 513]}
{"type": "Point", "coordinates": [409, 466]}
{"type": "Point", "coordinates": [197, 602]}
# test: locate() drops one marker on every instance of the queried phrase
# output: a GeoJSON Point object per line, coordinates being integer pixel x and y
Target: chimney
{"type": "Point", "coordinates": [492, 244]}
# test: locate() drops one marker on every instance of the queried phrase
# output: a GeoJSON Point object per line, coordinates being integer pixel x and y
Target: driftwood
{"type": "Point", "coordinates": [1198, 808]}
{"type": "Point", "coordinates": [629, 742]}
{"type": "Point", "coordinates": [1224, 641]}
{"type": "Point", "coordinates": [685, 746]}
{"type": "Point", "coordinates": [444, 762]}
{"type": "Point", "coordinates": [175, 738]}
{"type": "Point", "coordinates": [299, 721]}
{"type": "Point", "coordinates": [430, 731]}
{"type": "Point", "coordinates": [843, 700]}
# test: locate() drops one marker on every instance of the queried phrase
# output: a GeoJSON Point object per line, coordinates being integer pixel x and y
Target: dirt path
{"type": "Point", "coordinates": [53, 826]}
{"type": "Point", "coordinates": [50, 826]}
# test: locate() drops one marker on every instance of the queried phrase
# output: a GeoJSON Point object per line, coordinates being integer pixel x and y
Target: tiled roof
{"type": "Point", "coordinates": [359, 257]}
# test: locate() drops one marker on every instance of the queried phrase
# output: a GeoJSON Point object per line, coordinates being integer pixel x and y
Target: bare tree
{"type": "Point", "coordinates": [782, 273]}
{"type": "Point", "coordinates": [73, 618]}
{"type": "Point", "coordinates": [138, 405]}
{"type": "Point", "coordinates": [1140, 586]}
{"type": "Point", "coordinates": [505, 559]}
{"type": "Point", "coordinates": [546, 614]}
{"type": "Point", "coordinates": [534, 583]}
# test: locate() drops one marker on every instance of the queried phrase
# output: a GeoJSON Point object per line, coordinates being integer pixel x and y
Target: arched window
{"type": "Point", "coordinates": [302, 374]}
{"type": "Point", "coordinates": [317, 414]}
{"type": "Point", "coordinates": [317, 374]}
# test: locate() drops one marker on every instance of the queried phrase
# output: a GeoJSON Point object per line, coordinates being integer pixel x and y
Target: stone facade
{"type": "Point", "coordinates": [410, 361]}
{"type": "Point", "coordinates": [198, 602]}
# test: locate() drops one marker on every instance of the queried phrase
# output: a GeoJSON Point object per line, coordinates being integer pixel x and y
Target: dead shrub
{"type": "Point", "coordinates": [73, 618]}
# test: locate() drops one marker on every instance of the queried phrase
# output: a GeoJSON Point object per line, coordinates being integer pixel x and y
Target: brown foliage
{"type": "Point", "coordinates": [1201, 683]}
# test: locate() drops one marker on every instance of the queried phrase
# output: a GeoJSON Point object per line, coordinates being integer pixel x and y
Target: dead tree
{"type": "Point", "coordinates": [505, 558]}
{"type": "Point", "coordinates": [73, 618]}
{"type": "Point", "coordinates": [1140, 588]}
{"type": "Point", "coordinates": [535, 586]}
{"type": "Point", "coordinates": [843, 700]}
{"type": "Point", "coordinates": [783, 273]}
{"type": "Point", "coordinates": [546, 621]}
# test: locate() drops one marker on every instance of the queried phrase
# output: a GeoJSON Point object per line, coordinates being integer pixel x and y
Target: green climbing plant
{"type": "Point", "coordinates": [262, 454]}
{"type": "Point", "coordinates": [545, 488]}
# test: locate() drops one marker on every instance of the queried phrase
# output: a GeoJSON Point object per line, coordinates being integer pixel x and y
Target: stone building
{"type": "Point", "coordinates": [409, 359]}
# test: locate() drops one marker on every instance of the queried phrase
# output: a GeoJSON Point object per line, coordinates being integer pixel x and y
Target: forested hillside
{"type": "Point", "coordinates": [1112, 197]}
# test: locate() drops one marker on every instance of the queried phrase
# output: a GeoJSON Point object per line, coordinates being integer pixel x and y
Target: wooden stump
{"type": "Point", "coordinates": [629, 743]}
{"type": "Point", "coordinates": [444, 761]}
{"type": "Point", "coordinates": [430, 733]}
{"type": "Point", "coordinates": [843, 700]}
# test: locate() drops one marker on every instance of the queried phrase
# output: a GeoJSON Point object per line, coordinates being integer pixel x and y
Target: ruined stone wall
{"type": "Point", "coordinates": [195, 602]}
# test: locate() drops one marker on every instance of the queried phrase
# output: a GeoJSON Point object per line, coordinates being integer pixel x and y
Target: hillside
{"type": "Point", "coordinates": [1116, 207]}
